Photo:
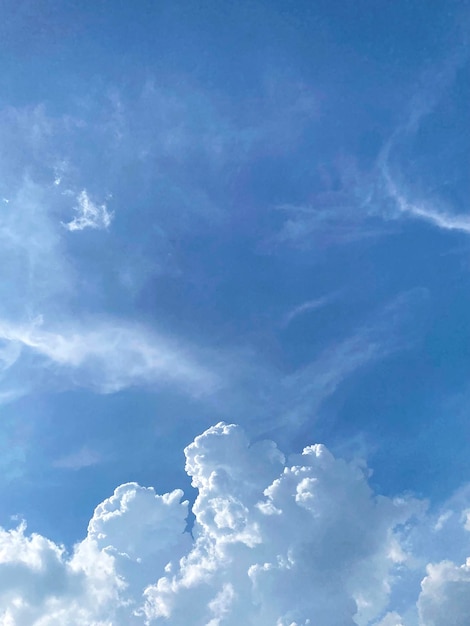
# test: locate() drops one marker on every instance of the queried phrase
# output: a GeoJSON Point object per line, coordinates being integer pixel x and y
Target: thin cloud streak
{"type": "Point", "coordinates": [441, 219]}
{"type": "Point", "coordinates": [110, 357]}
{"type": "Point", "coordinates": [283, 403]}
{"type": "Point", "coordinates": [309, 306]}
{"type": "Point", "coordinates": [326, 225]}
{"type": "Point", "coordinates": [391, 329]}
{"type": "Point", "coordinates": [423, 105]}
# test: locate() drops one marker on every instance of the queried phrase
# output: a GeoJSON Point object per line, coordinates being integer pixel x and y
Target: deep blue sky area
{"type": "Point", "coordinates": [271, 228]}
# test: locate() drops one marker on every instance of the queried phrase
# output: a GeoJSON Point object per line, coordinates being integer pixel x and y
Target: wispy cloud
{"type": "Point", "coordinates": [111, 356]}
{"type": "Point", "coordinates": [10, 395]}
{"type": "Point", "coordinates": [271, 399]}
{"type": "Point", "coordinates": [323, 223]}
{"type": "Point", "coordinates": [84, 457]}
{"type": "Point", "coordinates": [308, 307]}
{"type": "Point", "coordinates": [391, 162]}
{"type": "Point", "coordinates": [9, 353]}
{"type": "Point", "coordinates": [337, 211]}
{"type": "Point", "coordinates": [424, 211]}
{"type": "Point", "coordinates": [352, 204]}
{"type": "Point", "coordinates": [89, 214]}
{"type": "Point", "coordinates": [35, 269]}
{"type": "Point", "coordinates": [390, 329]}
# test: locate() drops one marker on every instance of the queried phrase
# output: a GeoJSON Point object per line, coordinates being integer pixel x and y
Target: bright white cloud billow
{"type": "Point", "coordinates": [302, 541]}
{"type": "Point", "coordinates": [445, 598]}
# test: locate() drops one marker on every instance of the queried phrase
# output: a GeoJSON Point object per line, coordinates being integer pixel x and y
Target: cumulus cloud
{"type": "Point", "coordinates": [89, 214]}
{"type": "Point", "coordinates": [275, 541]}
{"type": "Point", "coordinates": [445, 596]}
{"type": "Point", "coordinates": [288, 539]}
{"type": "Point", "coordinates": [391, 619]}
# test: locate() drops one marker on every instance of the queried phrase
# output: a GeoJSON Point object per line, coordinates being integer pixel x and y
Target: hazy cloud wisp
{"type": "Point", "coordinates": [111, 356]}
{"type": "Point", "coordinates": [89, 214]}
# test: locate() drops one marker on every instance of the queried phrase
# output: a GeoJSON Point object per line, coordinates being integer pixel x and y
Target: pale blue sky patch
{"type": "Point", "coordinates": [84, 457]}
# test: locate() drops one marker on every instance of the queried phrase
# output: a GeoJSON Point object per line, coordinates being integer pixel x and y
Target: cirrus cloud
{"type": "Point", "coordinates": [110, 356]}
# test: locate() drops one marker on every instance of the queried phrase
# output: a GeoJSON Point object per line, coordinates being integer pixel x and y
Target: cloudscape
{"type": "Point", "coordinates": [234, 313]}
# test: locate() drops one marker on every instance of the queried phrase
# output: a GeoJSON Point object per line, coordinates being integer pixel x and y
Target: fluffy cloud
{"type": "Point", "coordinates": [391, 619]}
{"type": "Point", "coordinates": [97, 585]}
{"type": "Point", "coordinates": [275, 542]}
{"type": "Point", "coordinates": [445, 596]}
{"type": "Point", "coordinates": [281, 543]}
{"type": "Point", "coordinates": [40, 585]}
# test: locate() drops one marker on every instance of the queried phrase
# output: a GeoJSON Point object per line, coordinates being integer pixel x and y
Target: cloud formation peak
{"type": "Point", "coordinates": [301, 541]}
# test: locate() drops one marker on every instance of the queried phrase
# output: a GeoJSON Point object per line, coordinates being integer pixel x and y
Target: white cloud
{"type": "Point", "coordinates": [9, 353]}
{"type": "Point", "coordinates": [100, 582]}
{"type": "Point", "coordinates": [109, 356]}
{"type": "Point", "coordinates": [89, 215]}
{"type": "Point", "coordinates": [297, 541]}
{"type": "Point", "coordinates": [445, 596]}
{"type": "Point", "coordinates": [441, 219]}
{"type": "Point", "coordinates": [307, 307]}
{"type": "Point", "coordinates": [432, 88]}
{"type": "Point", "coordinates": [40, 275]}
{"type": "Point", "coordinates": [391, 619]}
{"type": "Point", "coordinates": [277, 542]}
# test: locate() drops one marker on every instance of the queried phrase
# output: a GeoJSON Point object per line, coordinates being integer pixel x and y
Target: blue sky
{"type": "Point", "coordinates": [255, 213]}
